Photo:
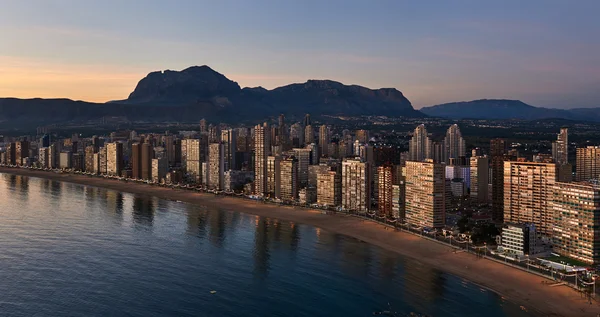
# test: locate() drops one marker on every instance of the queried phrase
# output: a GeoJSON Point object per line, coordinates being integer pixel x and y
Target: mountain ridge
{"type": "Point", "coordinates": [498, 109]}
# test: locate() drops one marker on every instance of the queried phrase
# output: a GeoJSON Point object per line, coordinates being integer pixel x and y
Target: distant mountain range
{"type": "Point", "coordinates": [507, 109]}
{"type": "Point", "coordinates": [200, 92]}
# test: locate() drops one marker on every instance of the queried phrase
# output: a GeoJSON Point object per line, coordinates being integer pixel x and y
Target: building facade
{"type": "Point", "coordinates": [576, 209]}
{"type": "Point", "coordinates": [356, 185]}
{"type": "Point", "coordinates": [425, 204]}
{"type": "Point", "coordinates": [528, 190]}
{"type": "Point", "coordinates": [588, 163]}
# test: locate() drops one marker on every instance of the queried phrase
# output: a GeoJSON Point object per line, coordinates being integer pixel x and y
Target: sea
{"type": "Point", "coordinates": [73, 250]}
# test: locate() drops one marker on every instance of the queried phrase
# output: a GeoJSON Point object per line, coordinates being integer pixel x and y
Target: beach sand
{"type": "Point", "coordinates": [514, 285]}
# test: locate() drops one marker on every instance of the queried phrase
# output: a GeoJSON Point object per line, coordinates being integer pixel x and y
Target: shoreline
{"type": "Point", "coordinates": [512, 284]}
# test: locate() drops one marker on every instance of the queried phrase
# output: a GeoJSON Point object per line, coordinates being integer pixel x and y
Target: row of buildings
{"type": "Point", "coordinates": [303, 164]}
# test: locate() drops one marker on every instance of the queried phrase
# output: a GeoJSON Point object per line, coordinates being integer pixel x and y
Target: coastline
{"type": "Point", "coordinates": [514, 285]}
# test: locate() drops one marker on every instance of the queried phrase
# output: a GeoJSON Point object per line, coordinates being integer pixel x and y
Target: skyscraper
{"type": "Point", "coordinates": [498, 149]}
{"type": "Point", "coordinates": [576, 210]}
{"type": "Point", "coordinates": [288, 179]}
{"type": "Point", "coordinates": [588, 163]}
{"type": "Point", "coordinates": [303, 156]}
{"type": "Point", "coordinates": [324, 140]}
{"type": "Point", "coordinates": [136, 160]}
{"type": "Point", "coordinates": [454, 144]}
{"type": "Point", "coordinates": [356, 185]}
{"type": "Point", "coordinates": [216, 166]}
{"type": "Point", "coordinates": [191, 156]}
{"type": "Point", "coordinates": [229, 140]}
{"type": "Point", "coordinates": [262, 148]}
{"type": "Point", "coordinates": [297, 135]}
{"type": "Point", "coordinates": [307, 120]}
{"type": "Point", "coordinates": [160, 167]}
{"type": "Point", "coordinates": [21, 151]}
{"type": "Point", "coordinates": [560, 148]}
{"type": "Point", "coordinates": [146, 156]}
{"type": "Point", "coordinates": [480, 173]}
{"type": "Point", "coordinates": [203, 126]}
{"type": "Point", "coordinates": [329, 188]}
{"type": "Point", "coordinates": [362, 136]}
{"type": "Point", "coordinates": [528, 190]}
{"type": "Point", "coordinates": [114, 158]}
{"type": "Point", "coordinates": [420, 145]}
{"type": "Point", "coordinates": [425, 204]}
{"type": "Point", "coordinates": [273, 176]}
{"type": "Point", "coordinates": [384, 182]}
{"type": "Point", "coordinates": [309, 134]}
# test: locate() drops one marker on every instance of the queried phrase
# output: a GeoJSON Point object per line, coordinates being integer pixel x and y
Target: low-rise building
{"type": "Point", "coordinates": [518, 239]}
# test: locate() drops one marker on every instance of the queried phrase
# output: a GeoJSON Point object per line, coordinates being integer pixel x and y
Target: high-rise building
{"type": "Point", "coordinates": [214, 133]}
{"type": "Point", "coordinates": [192, 159]}
{"type": "Point", "coordinates": [324, 140]}
{"type": "Point", "coordinates": [229, 138]}
{"type": "Point", "coordinates": [329, 188]}
{"type": "Point", "coordinates": [114, 158]}
{"type": "Point", "coordinates": [262, 148]}
{"type": "Point", "coordinates": [21, 151]}
{"type": "Point", "coordinates": [303, 156]}
{"type": "Point", "coordinates": [53, 156]}
{"type": "Point", "coordinates": [43, 157]}
{"type": "Point", "coordinates": [385, 193]}
{"type": "Point", "coordinates": [147, 154]}
{"type": "Point", "coordinates": [425, 204]}
{"type": "Point", "coordinates": [309, 134]}
{"type": "Point", "coordinates": [136, 160]}
{"type": "Point", "coordinates": [297, 135]}
{"type": "Point", "coordinates": [288, 179]}
{"type": "Point", "coordinates": [356, 185]}
{"type": "Point", "coordinates": [454, 144]}
{"type": "Point", "coordinates": [90, 150]}
{"type": "Point", "coordinates": [160, 167]}
{"type": "Point", "coordinates": [527, 193]}
{"type": "Point", "coordinates": [420, 146]}
{"type": "Point", "coordinates": [560, 148]}
{"type": "Point", "coordinates": [480, 173]}
{"type": "Point", "coordinates": [498, 149]}
{"type": "Point", "coordinates": [65, 160]}
{"type": "Point", "coordinates": [314, 171]}
{"type": "Point", "coordinates": [398, 198]}
{"type": "Point", "coordinates": [273, 176]}
{"type": "Point", "coordinates": [216, 166]}
{"type": "Point", "coordinates": [362, 136]}
{"type": "Point", "coordinates": [307, 120]}
{"type": "Point", "coordinates": [203, 126]}
{"type": "Point", "coordinates": [576, 210]}
{"type": "Point", "coordinates": [588, 163]}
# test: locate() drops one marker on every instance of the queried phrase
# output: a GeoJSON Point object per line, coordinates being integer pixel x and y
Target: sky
{"type": "Point", "coordinates": [543, 52]}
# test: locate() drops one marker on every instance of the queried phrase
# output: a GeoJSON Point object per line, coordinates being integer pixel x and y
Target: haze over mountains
{"type": "Point", "coordinates": [200, 92]}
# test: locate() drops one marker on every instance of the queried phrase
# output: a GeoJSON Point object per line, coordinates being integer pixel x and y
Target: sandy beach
{"type": "Point", "coordinates": [514, 285]}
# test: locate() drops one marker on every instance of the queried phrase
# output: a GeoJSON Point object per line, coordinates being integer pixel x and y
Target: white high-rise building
{"type": "Point", "coordinates": [454, 144]}
{"type": "Point", "coordinates": [356, 185]}
{"type": "Point", "coordinates": [425, 192]}
{"type": "Point", "coordinates": [420, 145]}
{"type": "Point", "coordinates": [114, 158]}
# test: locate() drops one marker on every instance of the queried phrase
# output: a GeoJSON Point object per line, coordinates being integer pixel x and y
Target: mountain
{"type": "Point", "coordinates": [214, 95]}
{"type": "Point", "coordinates": [506, 109]}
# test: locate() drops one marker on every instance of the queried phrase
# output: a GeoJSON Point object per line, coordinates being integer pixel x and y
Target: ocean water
{"type": "Point", "coordinates": [72, 250]}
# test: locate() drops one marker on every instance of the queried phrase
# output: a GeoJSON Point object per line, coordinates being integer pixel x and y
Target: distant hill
{"type": "Point", "coordinates": [506, 109]}
{"type": "Point", "coordinates": [214, 95]}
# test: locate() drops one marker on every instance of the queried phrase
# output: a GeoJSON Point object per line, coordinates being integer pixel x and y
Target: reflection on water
{"type": "Point", "coordinates": [87, 251]}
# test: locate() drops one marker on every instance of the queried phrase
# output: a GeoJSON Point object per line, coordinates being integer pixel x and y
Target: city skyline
{"type": "Point", "coordinates": [99, 51]}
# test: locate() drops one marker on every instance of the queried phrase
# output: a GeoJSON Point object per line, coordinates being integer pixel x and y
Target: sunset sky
{"type": "Point", "coordinates": [546, 53]}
